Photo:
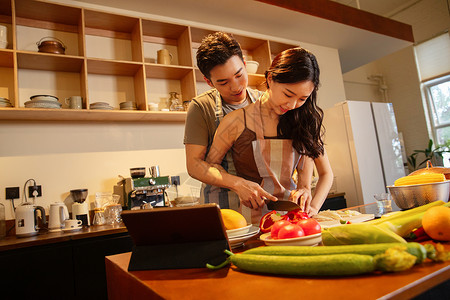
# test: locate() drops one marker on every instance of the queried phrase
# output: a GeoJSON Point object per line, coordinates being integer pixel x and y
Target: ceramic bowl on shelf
{"type": "Point", "coordinates": [42, 104]}
{"type": "Point", "coordinates": [308, 240]}
{"type": "Point", "coordinates": [100, 105]}
{"type": "Point", "coordinates": [252, 66]}
{"type": "Point", "coordinates": [44, 97]}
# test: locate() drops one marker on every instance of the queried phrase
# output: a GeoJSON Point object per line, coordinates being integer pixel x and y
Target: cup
{"type": "Point", "coordinates": [69, 224]}
{"type": "Point", "coordinates": [384, 203]}
{"type": "Point", "coordinates": [74, 102]}
{"type": "Point", "coordinates": [164, 57]}
{"type": "Point", "coordinates": [153, 106]}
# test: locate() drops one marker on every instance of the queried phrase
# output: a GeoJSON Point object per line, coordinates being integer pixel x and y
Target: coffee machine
{"type": "Point", "coordinates": [80, 208]}
{"type": "Point", "coordinates": [140, 191]}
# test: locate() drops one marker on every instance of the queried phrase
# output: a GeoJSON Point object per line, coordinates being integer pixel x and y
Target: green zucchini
{"type": "Point", "coordinates": [415, 249]}
{"type": "Point", "coordinates": [320, 265]}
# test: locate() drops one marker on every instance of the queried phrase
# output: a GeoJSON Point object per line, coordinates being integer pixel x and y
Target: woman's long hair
{"type": "Point", "coordinates": [304, 124]}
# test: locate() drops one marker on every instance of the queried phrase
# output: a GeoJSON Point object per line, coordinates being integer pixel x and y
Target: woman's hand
{"type": "Point", "coordinates": [302, 197]}
{"type": "Point", "coordinates": [252, 194]}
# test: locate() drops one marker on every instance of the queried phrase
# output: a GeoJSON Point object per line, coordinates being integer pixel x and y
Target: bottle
{"type": "Point", "coordinates": [2, 221]}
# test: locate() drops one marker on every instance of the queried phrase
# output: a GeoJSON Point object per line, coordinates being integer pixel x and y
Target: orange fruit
{"type": "Point", "coordinates": [436, 223]}
{"type": "Point", "coordinates": [232, 219]}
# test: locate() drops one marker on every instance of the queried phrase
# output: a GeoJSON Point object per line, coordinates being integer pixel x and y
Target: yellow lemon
{"type": "Point", "coordinates": [232, 219]}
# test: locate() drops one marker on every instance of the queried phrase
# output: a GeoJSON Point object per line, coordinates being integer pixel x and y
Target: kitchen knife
{"type": "Point", "coordinates": [282, 205]}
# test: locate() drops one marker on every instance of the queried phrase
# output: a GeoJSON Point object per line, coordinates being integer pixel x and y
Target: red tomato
{"type": "Point", "coordinates": [310, 226]}
{"type": "Point", "coordinates": [290, 231]}
{"type": "Point", "coordinates": [276, 228]}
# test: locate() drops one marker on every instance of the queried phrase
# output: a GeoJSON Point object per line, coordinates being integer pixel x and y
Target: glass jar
{"type": "Point", "coordinates": [175, 104]}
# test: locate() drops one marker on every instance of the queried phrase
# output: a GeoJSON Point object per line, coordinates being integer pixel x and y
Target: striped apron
{"type": "Point", "coordinates": [276, 161]}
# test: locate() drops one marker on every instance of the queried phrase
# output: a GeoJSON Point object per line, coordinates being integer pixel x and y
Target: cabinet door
{"type": "Point", "coordinates": [89, 263]}
{"type": "Point", "coordinates": [37, 273]}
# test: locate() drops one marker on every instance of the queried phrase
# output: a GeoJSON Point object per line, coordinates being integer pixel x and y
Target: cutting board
{"type": "Point", "coordinates": [351, 219]}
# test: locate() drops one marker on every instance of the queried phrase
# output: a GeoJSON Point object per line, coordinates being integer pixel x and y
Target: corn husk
{"type": "Point", "coordinates": [352, 234]}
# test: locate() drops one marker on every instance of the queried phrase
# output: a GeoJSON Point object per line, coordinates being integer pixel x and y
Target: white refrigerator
{"type": "Point", "coordinates": [364, 150]}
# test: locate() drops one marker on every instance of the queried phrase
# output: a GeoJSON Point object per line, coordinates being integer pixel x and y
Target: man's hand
{"type": "Point", "coordinates": [252, 194]}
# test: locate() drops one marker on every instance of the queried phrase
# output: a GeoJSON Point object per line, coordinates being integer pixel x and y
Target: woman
{"type": "Point", "coordinates": [277, 134]}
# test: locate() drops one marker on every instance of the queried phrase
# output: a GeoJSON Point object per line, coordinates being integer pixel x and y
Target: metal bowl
{"type": "Point", "coordinates": [409, 196]}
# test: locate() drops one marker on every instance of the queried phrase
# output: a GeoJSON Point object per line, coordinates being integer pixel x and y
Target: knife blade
{"type": "Point", "coordinates": [282, 205]}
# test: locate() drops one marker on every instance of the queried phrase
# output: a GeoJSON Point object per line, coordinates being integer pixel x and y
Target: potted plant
{"type": "Point", "coordinates": [435, 155]}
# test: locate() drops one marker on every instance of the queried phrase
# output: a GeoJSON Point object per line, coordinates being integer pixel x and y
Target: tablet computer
{"type": "Point", "coordinates": [176, 237]}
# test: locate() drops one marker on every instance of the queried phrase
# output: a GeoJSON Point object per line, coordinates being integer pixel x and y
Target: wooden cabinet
{"type": "Point", "coordinates": [109, 58]}
{"type": "Point", "coordinates": [73, 269]}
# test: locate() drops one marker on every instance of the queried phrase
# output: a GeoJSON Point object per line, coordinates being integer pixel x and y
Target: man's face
{"type": "Point", "coordinates": [230, 79]}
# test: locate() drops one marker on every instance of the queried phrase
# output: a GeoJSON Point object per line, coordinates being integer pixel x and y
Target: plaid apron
{"type": "Point", "coordinates": [276, 160]}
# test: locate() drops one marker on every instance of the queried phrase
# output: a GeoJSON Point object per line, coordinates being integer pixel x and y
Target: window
{"type": "Point", "coordinates": [437, 94]}
{"type": "Point", "coordinates": [433, 64]}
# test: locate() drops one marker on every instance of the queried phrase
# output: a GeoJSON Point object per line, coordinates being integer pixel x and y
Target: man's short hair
{"type": "Point", "coordinates": [216, 49]}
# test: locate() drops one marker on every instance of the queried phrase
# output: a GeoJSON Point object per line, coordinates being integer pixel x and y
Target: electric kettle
{"type": "Point", "coordinates": [27, 219]}
{"type": "Point", "coordinates": [57, 215]}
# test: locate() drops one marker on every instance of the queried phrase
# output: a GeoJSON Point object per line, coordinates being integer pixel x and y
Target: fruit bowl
{"type": "Point", "coordinates": [308, 240]}
{"type": "Point", "coordinates": [238, 231]}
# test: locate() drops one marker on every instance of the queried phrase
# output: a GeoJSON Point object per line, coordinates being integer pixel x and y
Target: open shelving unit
{"type": "Point", "coordinates": [109, 58]}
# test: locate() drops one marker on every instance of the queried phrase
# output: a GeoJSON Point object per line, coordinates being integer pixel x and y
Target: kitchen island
{"type": "Point", "coordinates": [229, 283]}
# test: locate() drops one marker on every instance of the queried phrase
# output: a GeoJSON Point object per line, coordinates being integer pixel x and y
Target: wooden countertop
{"type": "Point", "coordinates": [45, 237]}
{"type": "Point", "coordinates": [229, 283]}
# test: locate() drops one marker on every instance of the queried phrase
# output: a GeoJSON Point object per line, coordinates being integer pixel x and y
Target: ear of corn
{"type": "Point", "coordinates": [419, 179]}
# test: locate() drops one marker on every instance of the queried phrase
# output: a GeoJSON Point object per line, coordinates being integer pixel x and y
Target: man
{"type": "Point", "coordinates": [221, 62]}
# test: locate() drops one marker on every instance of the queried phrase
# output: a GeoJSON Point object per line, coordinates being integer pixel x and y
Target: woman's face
{"type": "Point", "coordinates": [287, 96]}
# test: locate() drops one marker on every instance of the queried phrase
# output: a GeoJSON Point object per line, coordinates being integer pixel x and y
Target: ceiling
{"type": "Point", "coordinates": [356, 46]}
{"type": "Point", "coordinates": [385, 8]}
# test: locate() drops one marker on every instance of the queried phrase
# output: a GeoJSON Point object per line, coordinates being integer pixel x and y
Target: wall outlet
{"type": "Point", "coordinates": [175, 180]}
{"type": "Point", "coordinates": [12, 193]}
{"type": "Point", "coordinates": [31, 190]}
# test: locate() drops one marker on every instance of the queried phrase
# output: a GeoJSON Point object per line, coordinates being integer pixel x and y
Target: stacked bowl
{"type": "Point", "coordinates": [128, 105]}
{"type": "Point", "coordinates": [5, 102]}
{"type": "Point", "coordinates": [100, 105]}
{"type": "Point", "coordinates": [43, 101]}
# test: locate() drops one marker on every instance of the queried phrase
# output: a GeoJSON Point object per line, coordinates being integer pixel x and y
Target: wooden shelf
{"type": "Point", "coordinates": [88, 31]}
{"type": "Point", "coordinates": [49, 62]}
{"type": "Point", "coordinates": [6, 58]}
{"type": "Point", "coordinates": [37, 114]}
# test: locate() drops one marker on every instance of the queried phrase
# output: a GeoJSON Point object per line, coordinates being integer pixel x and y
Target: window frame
{"type": "Point", "coordinates": [426, 87]}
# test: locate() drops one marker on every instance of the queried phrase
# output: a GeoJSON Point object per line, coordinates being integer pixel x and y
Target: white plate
{"type": "Point", "coordinates": [309, 240]}
{"type": "Point", "coordinates": [72, 229]}
{"type": "Point", "coordinates": [238, 241]}
{"type": "Point", "coordinates": [238, 231]}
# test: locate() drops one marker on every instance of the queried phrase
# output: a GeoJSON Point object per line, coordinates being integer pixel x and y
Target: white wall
{"type": "Point", "coordinates": [428, 18]}
{"type": "Point", "coordinates": [62, 156]}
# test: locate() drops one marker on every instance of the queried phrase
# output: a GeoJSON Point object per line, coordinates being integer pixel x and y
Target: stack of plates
{"type": "Point", "coordinates": [237, 237]}
{"type": "Point", "coordinates": [100, 105]}
{"type": "Point", "coordinates": [5, 102]}
{"type": "Point", "coordinates": [43, 101]}
{"type": "Point", "coordinates": [128, 105]}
